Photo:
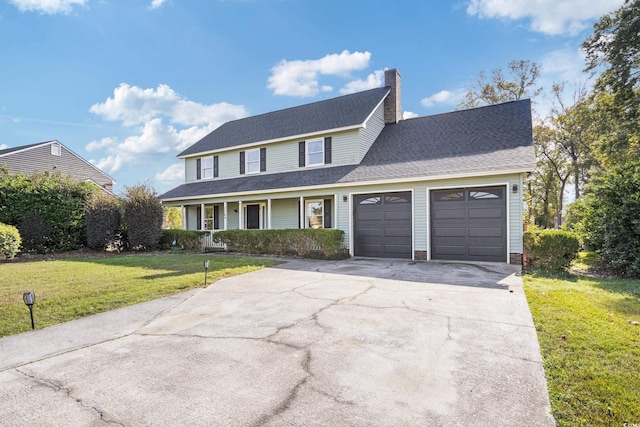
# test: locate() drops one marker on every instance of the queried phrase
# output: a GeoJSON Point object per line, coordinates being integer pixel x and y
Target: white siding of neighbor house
{"type": "Point", "coordinates": [370, 131]}
{"type": "Point", "coordinates": [40, 159]}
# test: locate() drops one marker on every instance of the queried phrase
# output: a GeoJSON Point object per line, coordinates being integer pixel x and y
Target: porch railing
{"type": "Point", "coordinates": [206, 242]}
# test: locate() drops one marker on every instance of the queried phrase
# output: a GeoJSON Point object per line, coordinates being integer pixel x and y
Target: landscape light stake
{"type": "Point", "coordinates": [206, 270]}
{"type": "Point", "coordinates": [29, 298]}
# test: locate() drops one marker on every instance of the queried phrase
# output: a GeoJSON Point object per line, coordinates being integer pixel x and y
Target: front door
{"type": "Point", "coordinates": [253, 217]}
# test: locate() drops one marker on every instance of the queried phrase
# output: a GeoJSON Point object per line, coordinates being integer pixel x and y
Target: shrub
{"type": "Point", "coordinates": [550, 249]}
{"type": "Point", "coordinates": [47, 208]}
{"type": "Point", "coordinates": [184, 239]}
{"type": "Point", "coordinates": [609, 219]}
{"type": "Point", "coordinates": [103, 219]}
{"type": "Point", "coordinates": [307, 243]}
{"type": "Point", "coordinates": [9, 241]}
{"type": "Point", "coordinates": [143, 217]}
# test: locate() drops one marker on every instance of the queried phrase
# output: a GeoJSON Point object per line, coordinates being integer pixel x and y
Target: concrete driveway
{"type": "Point", "coordinates": [307, 343]}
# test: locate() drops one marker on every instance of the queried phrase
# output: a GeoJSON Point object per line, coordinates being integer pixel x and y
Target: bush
{"type": "Point", "coordinates": [143, 217]}
{"type": "Point", "coordinates": [550, 249]}
{"type": "Point", "coordinates": [306, 243]}
{"type": "Point", "coordinates": [47, 208]}
{"type": "Point", "coordinates": [9, 241]}
{"type": "Point", "coordinates": [184, 239]}
{"type": "Point", "coordinates": [609, 219]}
{"type": "Point", "coordinates": [103, 219]}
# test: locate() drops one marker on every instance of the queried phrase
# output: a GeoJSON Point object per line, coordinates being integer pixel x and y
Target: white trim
{"type": "Point", "coordinates": [225, 215]}
{"type": "Point", "coordinates": [359, 184]}
{"type": "Point", "coordinates": [246, 161]}
{"type": "Point", "coordinates": [268, 214]}
{"type": "Point", "coordinates": [351, 233]}
{"type": "Point", "coordinates": [364, 125]}
{"type": "Point", "coordinates": [240, 216]}
{"type": "Point", "coordinates": [306, 216]}
{"type": "Point", "coordinates": [488, 184]}
{"type": "Point", "coordinates": [306, 153]}
{"type": "Point", "coordinates": [301, 210]}
{"type": "Point", "coordinates": [302, 136]}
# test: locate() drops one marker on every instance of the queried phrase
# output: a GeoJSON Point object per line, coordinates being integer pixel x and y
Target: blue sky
{"type": "Point", "coordinates": [129, 84]}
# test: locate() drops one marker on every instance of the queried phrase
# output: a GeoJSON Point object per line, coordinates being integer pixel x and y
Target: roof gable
{"type": "Point", "coordinates": [335, 113]}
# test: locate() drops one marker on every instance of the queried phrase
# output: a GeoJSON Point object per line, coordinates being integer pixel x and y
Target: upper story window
{"type": "Point", "coordinates": [56, 150]}
{"type": "Point", "coordinates": [314, 152]}
{"type": "Point", "coordinates": [207, 167]}
{"type": "Point", "coordinates": [253, 161]}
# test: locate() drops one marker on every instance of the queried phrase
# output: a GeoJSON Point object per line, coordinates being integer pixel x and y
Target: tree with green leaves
{"type": "Point", "coordinates": [518, 83]}
{"type": "Point", "coordinates": [143, 216]}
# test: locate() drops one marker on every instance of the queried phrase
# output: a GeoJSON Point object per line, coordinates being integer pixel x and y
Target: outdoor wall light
{"type": "Point", "coordinates": [514, 188]}
{"type": "Point", "coordinates": [29, 299]}
{"type": "Point", "coordinates": [345, 198]}
{"type": "Point", "coordinates": [206, 270]}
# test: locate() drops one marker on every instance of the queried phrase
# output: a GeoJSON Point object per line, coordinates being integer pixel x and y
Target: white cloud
{"type": "Point", "coordinates": [174, 174]}
{"type": "Point", "coordinates": [156, 3]}
{"type": "Point", "coordinates": [300, 77]}
{"type": "Point", "coordinates": [564, 65]}
{"type": "Point", "coordinates": [47, 6]}
{"type": "Point", "coordinates": [3, 146]}
{"type": "Point", "coordinates": [164, 122]}
{"type": "Point", "coordinates": [443, 97]}
{"type": "Point", "coordinates": [409, 115]}
{"type": "Point", "coordinates": [552, 17]}
{"type": "Point", "coordinates": [373, 80]}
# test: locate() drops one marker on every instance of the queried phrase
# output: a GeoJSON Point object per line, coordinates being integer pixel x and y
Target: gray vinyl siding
{"type": "Point", "coordinates": [282, 156]}
{"type": "Point", "coordinates": [284, 213]}
{"type": "Point", "coordinates": [370, 131]}
{"type": "Point", "coordinates": [40, 159]}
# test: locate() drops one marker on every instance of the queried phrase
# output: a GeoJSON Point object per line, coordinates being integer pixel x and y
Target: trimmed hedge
{"type": "Point", "coordinates": [103, 219]}
{"type": "Point", "coordinates": [306, 243]}
{"type": "Point", "coordinates": [143, 216]}
{"type": "Point", "coordinates": [184, 239]}
{"type": "Point", "coordinates": [550, 249]}
{"type": "Point", "coordinates": [9, 241]}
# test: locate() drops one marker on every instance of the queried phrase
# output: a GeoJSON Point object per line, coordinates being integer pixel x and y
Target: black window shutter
{"type": "Point", "coordinates": [198, 166]}
{"type": "Point", "coordinates": [263, 159]}
{"type": "Point", "coordinates": [242, 163]}
{"type": "Point", "coordinates": [216, 216]}
{"type": "Point", "coordinates": [327, 150]}
{"type": "Point", "coordinates": [301, 154]}
{"type": "Point", "coordinates": [215, 166]}
{"type": "Point", "coordinates": [199, 218]}
{"type": "Point", "coordinates": [327, 213]}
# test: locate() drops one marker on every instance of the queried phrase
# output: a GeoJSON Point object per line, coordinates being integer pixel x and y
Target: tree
{"type": "Point", "coordinates": [519, 83]}
{"type": "Point", "coordinates": [143, 217]}
{"type": "Point", "coordinates": [172, 217]}
{"type": "Point", "coordinates": [615, 45]}
{"type": "Point", "coordinates": [103, 219]}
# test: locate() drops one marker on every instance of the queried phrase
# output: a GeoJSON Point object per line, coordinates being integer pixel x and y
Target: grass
{"type": "Point", "coordinates": [590, 345]}
{"type": "Point", "coordinates": [69, 289]}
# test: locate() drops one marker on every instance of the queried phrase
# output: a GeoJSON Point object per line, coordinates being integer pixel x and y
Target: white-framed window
{"type": "Point", "coordinates": [252, 161]}
{"type": "Point", "coordinates": [315, 213]}
{"type": "Point", "coordinates": [206, 167]}
{"type": "Point", "coordinates": [208, 217]}
{"type": "Point", "coordinates": [315, 152]}
{"type": "Point", "coordinates": [56, 150]}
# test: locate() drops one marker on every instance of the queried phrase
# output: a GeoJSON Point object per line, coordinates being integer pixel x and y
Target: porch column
{"type": "Point", "coordinates": [224, 220]}
{"type": "Point", "coordinates": [268, 214]}
{"type": "Point", "coordinates": [183, 218]}
{"type": "Point", "coordinates": [240, 219]}
{"type": "Point", "coordinates": [301, 212]}
{"type": "Point", "coordinates": [202, 216]}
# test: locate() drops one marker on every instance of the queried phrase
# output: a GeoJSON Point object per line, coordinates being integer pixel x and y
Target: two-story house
{"type": "Point", "coordinates": [447, 186]}
{"type": "Point", "coordinates": [54, 157]}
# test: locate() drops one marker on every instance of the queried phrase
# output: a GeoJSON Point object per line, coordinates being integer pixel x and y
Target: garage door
{"type": "Point", "coordinates": [382, 225]}
{"type": "Point", "coordinates": [469, 224]}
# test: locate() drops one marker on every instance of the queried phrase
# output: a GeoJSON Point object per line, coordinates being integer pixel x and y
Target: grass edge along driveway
{"type": "Point", "coordinates": [69, 289]}
{"type": "Point", "coordinates": [590, 345]}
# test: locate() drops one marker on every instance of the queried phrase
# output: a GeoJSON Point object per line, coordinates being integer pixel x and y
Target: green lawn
{"type": "Point", "coordinates": [590, 345]}
{"type": "Point", "coordinates": [68, 289]}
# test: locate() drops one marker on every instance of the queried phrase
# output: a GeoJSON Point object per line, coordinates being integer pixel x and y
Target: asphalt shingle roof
{"type": "Point", "coordinates": [343, 111]}
{"type": "Point", "coordinates": [482, 140]}
{"type": "Point", "coordinates": [22, 147]}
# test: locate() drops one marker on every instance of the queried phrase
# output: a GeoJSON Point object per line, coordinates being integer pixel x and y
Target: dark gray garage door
{"type": "Point", "coordinates": [382, 225]}
{"type": "Point", "coordinates": [469, 224]}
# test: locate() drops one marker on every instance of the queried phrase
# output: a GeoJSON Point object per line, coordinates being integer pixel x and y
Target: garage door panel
{"type": "Point", "coordinates": [383, 225]}
{"type": "Point", "coordinates": [469, 224]}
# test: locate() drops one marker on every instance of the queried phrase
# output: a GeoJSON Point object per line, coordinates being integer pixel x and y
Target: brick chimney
{"type": "Point", "coordinates": [392, 107]}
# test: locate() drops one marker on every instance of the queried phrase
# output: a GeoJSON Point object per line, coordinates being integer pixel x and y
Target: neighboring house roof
{"type": "Point", "coordinates": [23, 147]}
{"type": "Point", "coordinates": [336, 113]}
{"type": "Point", "coordinates": [478, 141]}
